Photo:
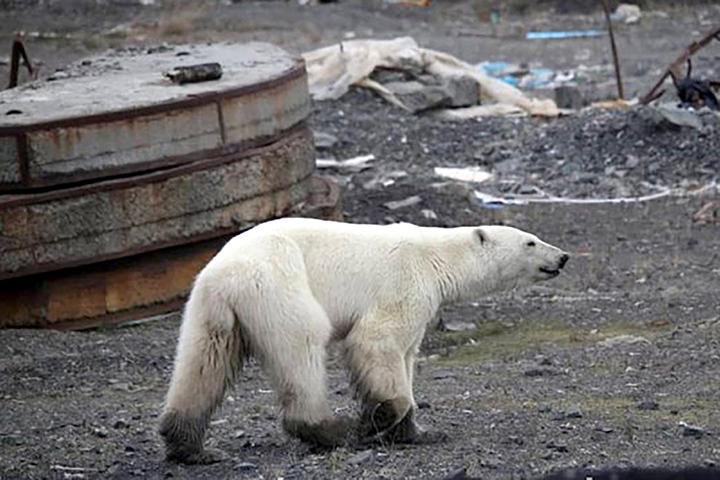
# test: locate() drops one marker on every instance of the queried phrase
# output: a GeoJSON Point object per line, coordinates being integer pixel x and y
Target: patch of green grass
{"type": "Point", "coordinates": [493, 341]}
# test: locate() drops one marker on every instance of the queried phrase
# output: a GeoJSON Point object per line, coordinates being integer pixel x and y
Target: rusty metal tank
{"type": "Point", "coordinates": [117, 185]}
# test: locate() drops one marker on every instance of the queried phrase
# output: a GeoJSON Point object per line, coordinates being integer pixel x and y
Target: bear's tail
{"type": "Point", "coordinates": [210, 352]}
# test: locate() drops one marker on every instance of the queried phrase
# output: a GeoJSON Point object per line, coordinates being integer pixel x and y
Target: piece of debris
{"type": "Point", "coordinates": [360, 457]}
{"type": "Point", "coordinates": [626, 13]}
{"type": "Point", "coordinates": [695, 93]}
{"type": "Point", "coordinates": [355, 164]}
{"type": "Point", "coordinates": [332, 70]}
{"type": "Point", "coordinates": [408, 202]}
{"type": "Point", "coordinates": [465, 174]}
{"type": "Point", "coordinates": [562, 35]}
{"type": "Point", "coordinates": [673, 116]}
{"type": "Point", "coordinates": [428, 214]}
{"type": "Point", "coordinates": [324, 140]}
{"type": "Point", "coordinates": [613, 47]}
{"type": "Point", "coordinates": [708, 213]}
{"type": "Point", "coordinates": [672, 69]}
{"type": "Point", "coordinates": [691, 430]}
{"type": "Point", "coordinates": [18, 52]}
{"type": "Point", "coordinates": [246, 467]}
{"type": "Point", "coordinates": [202, 72]}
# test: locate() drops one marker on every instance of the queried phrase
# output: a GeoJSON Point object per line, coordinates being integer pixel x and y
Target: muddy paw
{"type": "Point", "coordinates": [329, 433]}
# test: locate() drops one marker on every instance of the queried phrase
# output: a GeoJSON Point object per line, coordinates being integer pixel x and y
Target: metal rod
{"type": "Point", "coordinates": [618, 78]}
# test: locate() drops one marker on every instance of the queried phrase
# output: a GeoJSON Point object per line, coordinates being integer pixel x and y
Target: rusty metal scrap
{"type": "Point", "coordinates": [618, 77]}
{"type": "Point", "coordinates": [674, 67]}
{"type": "Point", "coordinates": [195, 73]}
{"type": "Point", "coordinates": [18, 51]}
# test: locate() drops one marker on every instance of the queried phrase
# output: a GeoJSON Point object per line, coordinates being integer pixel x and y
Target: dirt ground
{"type": "Point", "coordinates": [614, 363]}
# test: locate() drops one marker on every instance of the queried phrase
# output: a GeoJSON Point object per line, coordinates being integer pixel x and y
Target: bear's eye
{"type": "Point", "coordinates": [531, 243]}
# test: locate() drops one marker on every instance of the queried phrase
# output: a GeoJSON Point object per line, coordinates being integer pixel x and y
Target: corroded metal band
{"type": "Point", "coordinates": [98, 146]}
{"type": "Point", "coordinates": [184, 204]}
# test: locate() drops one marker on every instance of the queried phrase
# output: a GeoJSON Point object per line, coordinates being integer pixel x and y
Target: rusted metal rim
{"type": "Point", "coordinates": [153, 125]}
{"type": "Point", "coordinates": [193, 162]}
{"type": "Point", "coordinates": [294, 73]}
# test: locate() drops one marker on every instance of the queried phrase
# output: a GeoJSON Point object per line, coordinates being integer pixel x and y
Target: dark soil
{"type": "Point", "coordinates": [614, 363]}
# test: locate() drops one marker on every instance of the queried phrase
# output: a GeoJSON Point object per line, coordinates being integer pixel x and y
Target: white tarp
{"type": "Point", "coordinates": [332, 70]}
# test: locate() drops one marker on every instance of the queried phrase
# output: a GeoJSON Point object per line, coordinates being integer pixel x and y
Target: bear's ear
{"type": "Point", "coordinates": [481, 236]}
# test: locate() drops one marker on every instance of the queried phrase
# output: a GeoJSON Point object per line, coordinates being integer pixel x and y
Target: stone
{"type": "Point", "coordinates": [669, 115]}
{"type": "Point", "coordinates": [573, 412]}
{"type": "Point", "coordinates": [408, 202]}
{"type": "Point", "coordinates": [360, 457]}
{"type": "Point", "coordinates": [569, 96]}
{"type": "Point", "coordinates": [418, 96]}
{"type": "Point", "coordinates": [246, 467]}
{"type": "Point", "coordinates": [648, 405]}
{"type": "Point", "coordinates": [692, 430]}
{"type": "Point", "coordinates": [324, 140]}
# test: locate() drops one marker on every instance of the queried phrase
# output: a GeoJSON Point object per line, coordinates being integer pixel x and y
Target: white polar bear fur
{"type": "Point", "coordinates": [284, 289]}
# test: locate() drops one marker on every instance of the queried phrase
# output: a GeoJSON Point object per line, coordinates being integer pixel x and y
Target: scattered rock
{"type": "Point", "coordinates": [408, 202]}
{"type": "Point", "coordinates": [573, 412]}
{"type": "Point", "coordinates": [691, 430]}
{"type": "Point", "coordinates": [246, 467]}
{"type": "Point", "coordinates": [443, 374]}
{"type": "Point", "coordinates": [558, 447]}
{"type": "Point", "coordinates": [458, 326]}
{"type": "Point", "coordinates": [538, 371]}
{"type": "Point", "coordinates": [120, 423]}
{"type": "Point", "coordinates": [360, 457]}
{"type": "Point", "coordinates": [423, 405]}
{"type": "Point", "coordinates": [648, 405]}
{"type": "Point", "coordinates": [544, 408]}
{"type": "Point", "coordinates": [428, 92]}
{"type": "Point", "coordinates": [429, 214]}
{"type": "Point", "coordinates": [324, 140]}
{"type": "Point", "coordinates": [626, 13]}
{"type": "Point", "coordinates": [100, 432]}
{"type": "Point", "coordinates": [569, 96]}
{"type": "Point", "coordinates": [672, 116]}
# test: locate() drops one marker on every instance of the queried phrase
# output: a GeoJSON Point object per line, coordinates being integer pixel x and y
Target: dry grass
{"type": "Point", "coordinates": [180, 16]}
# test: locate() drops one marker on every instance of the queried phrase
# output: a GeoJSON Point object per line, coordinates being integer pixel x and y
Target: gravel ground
{"type": "Point", "coordinates": [614, 363]}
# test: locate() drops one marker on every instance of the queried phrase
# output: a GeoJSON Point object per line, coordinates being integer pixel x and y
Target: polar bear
{"type": "Point", "coordinates": [283, 290]}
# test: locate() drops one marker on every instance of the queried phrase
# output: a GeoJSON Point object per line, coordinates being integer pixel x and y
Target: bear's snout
{"type": "Point", "coordinates": [563, 260]}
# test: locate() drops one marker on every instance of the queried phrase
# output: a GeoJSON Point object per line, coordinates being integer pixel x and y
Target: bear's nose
{"type": "Point", "coordinates": [563, 260]}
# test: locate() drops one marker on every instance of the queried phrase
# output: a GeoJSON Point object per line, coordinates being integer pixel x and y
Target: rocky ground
{"type": "Point", "coordinates": [614, 363]}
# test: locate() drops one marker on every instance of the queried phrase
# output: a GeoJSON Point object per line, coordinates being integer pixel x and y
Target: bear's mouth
{"type": "Point", "coordinates": [550, 272]}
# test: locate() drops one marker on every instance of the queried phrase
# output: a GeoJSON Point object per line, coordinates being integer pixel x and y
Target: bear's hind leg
{"type": "Point", "coordinates": [209, 355]}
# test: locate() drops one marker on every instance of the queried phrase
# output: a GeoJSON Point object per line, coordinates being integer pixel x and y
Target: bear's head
{"type": "Point", "coordinates": [513, 258]}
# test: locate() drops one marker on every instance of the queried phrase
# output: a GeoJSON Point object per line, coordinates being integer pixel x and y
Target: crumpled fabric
{"type": "Point", "coordinates": [333, 70]}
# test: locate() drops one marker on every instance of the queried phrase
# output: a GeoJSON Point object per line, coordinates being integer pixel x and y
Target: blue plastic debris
{"type": "Point", "coordinates": [563, 35]}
